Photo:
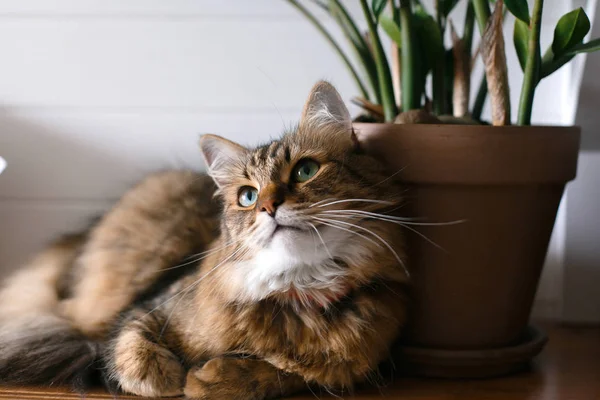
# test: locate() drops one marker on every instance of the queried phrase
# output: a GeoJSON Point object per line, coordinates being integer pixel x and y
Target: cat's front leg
{"type": "Point", "coordinates": [240, 379]}
{"type": "Point", "coordinates": [139, 361]}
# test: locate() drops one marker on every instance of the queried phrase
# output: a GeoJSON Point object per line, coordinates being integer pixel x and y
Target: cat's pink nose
{"type": "Point", "coordinates": [270, 198]}
{"type": "Point", "coordinates": [270, 206]}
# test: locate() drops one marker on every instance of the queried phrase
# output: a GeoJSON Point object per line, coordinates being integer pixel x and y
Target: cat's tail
{"type": "Point", "coordinates": [36, 344]}
{"type": "Point", "coordinates": [45, 349]}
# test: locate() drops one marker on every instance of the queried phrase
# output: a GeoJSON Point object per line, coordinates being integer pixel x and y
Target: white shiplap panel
{"type": "Point", "coordinates": [25, 226]}
{"type": "Point", "coordinates": [87, 155]}
{"type": "Point", "coordinates": [158, 65]}
{"type": "Point", "coordinates": [195, 64]}
{"type": "Point", "coordinates": [161, 8]}
{"type": "Point", "coordinates": [205, 8]}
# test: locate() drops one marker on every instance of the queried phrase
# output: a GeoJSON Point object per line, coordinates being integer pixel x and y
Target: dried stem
{"type": "Point", "coordinates": [496, 69]}
{"type": "Point", "coordinates": [462, 75]}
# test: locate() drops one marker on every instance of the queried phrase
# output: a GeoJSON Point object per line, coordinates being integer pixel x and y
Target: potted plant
{"type": "Point", "coordinates": [474, 282]}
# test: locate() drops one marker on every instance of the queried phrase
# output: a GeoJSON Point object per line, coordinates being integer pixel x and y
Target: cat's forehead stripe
{"type": "Point", "coordinates": [263, 153]}
{"type": "Point", "coordinates": [275, 148]}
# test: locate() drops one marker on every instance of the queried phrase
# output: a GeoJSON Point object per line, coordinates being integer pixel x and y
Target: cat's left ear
{"type": "Point", "coordinates": [221, 155]}
{"type": "Point", "coordinates": [325, 107]}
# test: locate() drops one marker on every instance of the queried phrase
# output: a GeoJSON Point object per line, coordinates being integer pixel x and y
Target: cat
{"type": "Point", "coordinates": [279, 270]}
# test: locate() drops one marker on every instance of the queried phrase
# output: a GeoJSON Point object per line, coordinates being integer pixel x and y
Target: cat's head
{"type": "Point", "coordinates": [296, 210]}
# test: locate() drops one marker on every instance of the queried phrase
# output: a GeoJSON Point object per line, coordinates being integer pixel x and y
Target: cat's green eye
{"type": "Point", "coordinates": [247, 196]}
{"type": "Point", "coordinates": [304, 170]}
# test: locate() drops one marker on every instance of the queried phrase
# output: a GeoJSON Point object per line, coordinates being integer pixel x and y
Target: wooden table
{"type": "Point", "coordinates": [568, 369]}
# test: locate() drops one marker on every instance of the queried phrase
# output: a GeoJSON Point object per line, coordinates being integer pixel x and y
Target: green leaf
{"type": "Point", "coordinates": [521, 40]}
{"type": "Point", "coordinates": [449, 79]}
{"type": "Point", "coordinates": [447, 6]}
{"type": "Point", "coordinates": [519, 9]}
{"type": "Point", "coordinates": [392, 30]}
{"type": "Point", "coordinates": [429, 44]}
{"type": "Point", "coordinates": [429, 35]}
{"type": "Point", "coordinates": [358, 44]}
{"type": "Point", "coordinates": [551, 63]}
{"type": "Point", "coordinates": [378, 6]}
{"type": "Point", "coordinates": [589, 47]}
{"type": "Point", "coordinates": [570, 31]}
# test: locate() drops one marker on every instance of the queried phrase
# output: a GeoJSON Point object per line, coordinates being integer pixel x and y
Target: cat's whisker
{"type": "Point", "coordinates": [331, 392]}
{"type": "Point", "coordinates": [193, 284]}
{"type": "Point", "coordinates": [406, 221]}
{"type": "Point", "coordinates": [388, 203]}
{"type": "Point", "coordinates": [321, 238]}
{"type": "Point", "coordinates": [391, 176]}
{"type": "Point", "coordinates": [322, 201]}
{"type": "Point", "coordinates": [184, 292]}
{"type": "Point", "coordinates": [193, 320]}
{"type": "Point", "coordinates": [348, 230]}
{"type": "Point", "coordinates": [401, 223]}
{"type": "Point", "coordinates": [385, 243]}
{"type": "Point", "coordinates": [311, 390]}
{"type": "Point", "coordinates": [313, 236]}
{"type": "Point", "coordinates": [210, 250]}
{"type": "Point", "coordinates": [205, 255]}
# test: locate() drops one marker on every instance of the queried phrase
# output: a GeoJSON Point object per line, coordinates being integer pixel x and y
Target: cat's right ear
{"type": "Point", "coordinates": [220, 155]}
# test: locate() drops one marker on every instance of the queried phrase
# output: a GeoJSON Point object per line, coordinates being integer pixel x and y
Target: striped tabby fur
{"type": "Point", "coordinates": [184, 289]}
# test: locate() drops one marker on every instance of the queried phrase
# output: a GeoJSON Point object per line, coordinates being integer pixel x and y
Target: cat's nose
{"type": "Point", "coordinates": [271, 197]}
{"type": "Point", "coordinates": [270, 206]}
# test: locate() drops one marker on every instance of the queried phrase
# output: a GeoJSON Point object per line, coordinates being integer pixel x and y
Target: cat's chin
{"type": "Point", "coordinates": [288, 231]}
{"type": "Point", "coordinates": [293, 257]}
{"type": "Point", "coordinates": [290, 237]}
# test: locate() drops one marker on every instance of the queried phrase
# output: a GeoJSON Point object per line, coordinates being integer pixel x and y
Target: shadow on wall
{"type": "Point", "coordinates": [43, 188]}
{"type": "Point", "coordinates": [44, 163]}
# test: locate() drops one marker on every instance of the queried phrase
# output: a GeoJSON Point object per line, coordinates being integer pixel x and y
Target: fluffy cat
{"type": "Point", "coordinates": [287, 271]}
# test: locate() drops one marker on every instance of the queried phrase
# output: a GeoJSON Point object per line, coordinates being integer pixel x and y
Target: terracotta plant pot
{"type": "Point", "coordinates": [475, 292]}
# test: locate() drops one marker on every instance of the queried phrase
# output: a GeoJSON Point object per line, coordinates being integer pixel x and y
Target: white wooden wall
{"type": "Point", "coordinates": [96, 93]}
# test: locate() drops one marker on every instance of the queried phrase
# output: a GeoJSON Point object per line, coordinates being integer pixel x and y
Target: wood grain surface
{"type": "Point", "coordinates": [568, 369]}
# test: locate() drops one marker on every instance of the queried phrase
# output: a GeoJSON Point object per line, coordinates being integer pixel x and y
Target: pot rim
{"type": "Point", "coordinates": [505, 127]}
{"type": "Point", "coordinates": [474, 154]}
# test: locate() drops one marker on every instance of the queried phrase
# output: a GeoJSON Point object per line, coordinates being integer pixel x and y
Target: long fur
{"type": "Point", "coordinates": [181, 289]}
{"type": "Point", "coordinates": [36, 344]}
{"type": "Point", "coordinates": [45, 350]}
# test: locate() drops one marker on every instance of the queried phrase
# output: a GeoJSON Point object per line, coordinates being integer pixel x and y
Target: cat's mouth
{"type": "Point", "coordinates": [286, 228]}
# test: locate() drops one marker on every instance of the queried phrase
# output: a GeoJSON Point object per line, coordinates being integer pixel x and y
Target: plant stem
{"type": "Point", "coordinates": [439, 87]}
{"type": "Point", "coordinates": [383, 69]}
{"type": "Point", "coordinates": [438, 12]}
{"type": "Point", "coordinates": [348, 26]}
{"type": "Point", "coordinates": [438, 72]}
{"type": "Point", "coordinates": [469, 28]}
{"type": "Point", "coordinates": [482, 11]}
{"type": "Point", "coordinates": [334, 44]}
{"type": "Point", "coordinates": [409, 70]}
{"type": "Point", "coordinates": [397, 57]}
{"type": "Point", "coordinates": [480, 99]}
{"type": "Point", "coordinates": [532, 68]}
{"type": "Point", "coordinates": [482, 14]}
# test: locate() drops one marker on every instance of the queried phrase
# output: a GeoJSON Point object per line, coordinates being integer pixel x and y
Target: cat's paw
{"type": "Point", "coordinates": [146, 369]}
{"type": "Point", "coordinates": [223, 378]}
